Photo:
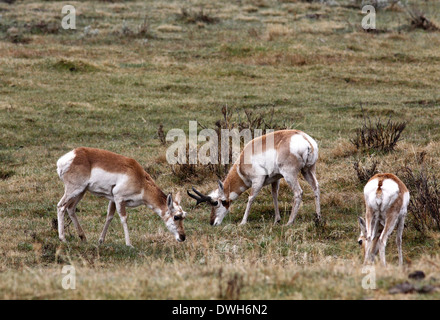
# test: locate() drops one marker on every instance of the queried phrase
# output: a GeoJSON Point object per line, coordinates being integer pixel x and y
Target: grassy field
{"type": "Point", "coordinates": [130, 66]}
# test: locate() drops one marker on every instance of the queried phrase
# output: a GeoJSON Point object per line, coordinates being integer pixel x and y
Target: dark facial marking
{"type": "Point", "coordinates": [212, 219]}
{"type": "Point", "coordinates": [225, 203]}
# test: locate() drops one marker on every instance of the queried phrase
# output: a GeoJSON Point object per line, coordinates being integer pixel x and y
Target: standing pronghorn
{"type": "Point", "coordinates": [120, 179]}
{"type": "Point", "coordinates": [386, 201]}
{"type": "Point", "coordinates": [265, 160]}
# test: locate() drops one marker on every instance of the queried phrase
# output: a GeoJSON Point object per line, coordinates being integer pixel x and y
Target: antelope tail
{"type": "Point", "coordinates": [379, 193]}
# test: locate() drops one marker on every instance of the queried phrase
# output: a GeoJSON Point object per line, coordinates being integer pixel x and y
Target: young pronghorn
{"type": "Point", "coordinates": [121, 180]}
{"type": "Point", "coordinates": [265, 160]}
{"type": "Point", "coordinates": [386, 201]}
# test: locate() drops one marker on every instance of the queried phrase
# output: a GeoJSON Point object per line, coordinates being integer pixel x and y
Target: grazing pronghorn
{"type": "Point", "coordinates": [386, 201]}
{"type": "Point", "coordinates": [265, 160]}
{"type": "Point", "coordinates": [120, 179]}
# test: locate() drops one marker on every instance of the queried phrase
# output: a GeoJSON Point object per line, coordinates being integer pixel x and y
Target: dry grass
{"type": "Point", "coordinates": [169, 28]}
{"type": "Point", "coordinates": [62, 89]}
{"type": "Point", "coordinates": [274, 31]}
{"type": "Point", "coordinates": [343, 149]}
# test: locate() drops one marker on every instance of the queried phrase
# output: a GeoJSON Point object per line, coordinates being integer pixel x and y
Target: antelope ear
{"type": "Point", "coordinates": [363, 226]}
{"type": "Point", "coordinates": [170, 201]}
{"type": "Point", "coordinates": [221, 188]}
{"type": "Point", "coordinates": [178, 197]}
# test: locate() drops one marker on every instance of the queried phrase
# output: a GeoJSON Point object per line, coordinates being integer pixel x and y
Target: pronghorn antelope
{"type": "Point", "coordinates": [265, 160]}
{"type": "Point", "coordinates": [121, 180]}
{"type": "Point", "coordinates": [386, 201]}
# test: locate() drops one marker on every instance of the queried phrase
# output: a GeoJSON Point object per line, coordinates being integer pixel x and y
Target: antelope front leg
{"type": "Point", "coordinates": [120, 207]}
{"type": "Point", "coordinates": [110, 214]}
{"type": "Point", "coordinates": [61, 208]}
{"type": "Point", "coordinates": [71, 210]}
{"type": "Point", "coordinates": [256, 187]}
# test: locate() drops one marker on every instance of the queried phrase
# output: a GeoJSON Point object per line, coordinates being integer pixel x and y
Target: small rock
{"type": "Point", "coordinates": [417, 275]}
{"type": "Point", "coordinates": [404, 287]}
{"type": "Point", "coordinates": [427, 289]}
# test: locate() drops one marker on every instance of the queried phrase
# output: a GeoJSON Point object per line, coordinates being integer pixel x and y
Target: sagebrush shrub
{"type": "Point", "coordinates": [378, 136]}
{"type": "Point", "coordinates": [424, 203]}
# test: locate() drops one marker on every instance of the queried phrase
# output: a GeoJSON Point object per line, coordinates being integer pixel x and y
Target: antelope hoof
{"type": "Point", "coordinates": [319, 222]}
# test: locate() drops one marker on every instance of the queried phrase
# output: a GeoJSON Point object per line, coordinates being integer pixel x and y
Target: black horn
{"type": "Point", "coordinates": [201, 197]}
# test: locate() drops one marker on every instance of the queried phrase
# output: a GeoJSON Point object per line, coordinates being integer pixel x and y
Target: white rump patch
{"type": "Point", "coordinates": [264, 163]}
{"type": "Point", "coordinates": [313, 156]}
{"type": "Point", "coordinates": [63, 163]}
{"type": "Point", "coordinates": [406, 199]}
{"type": "Point", "coordinates": [390, 192]}
{"type": "Point", "coordinates": [371, 187]}
{"type": "Point", "coordinates": [405, 202]}
{"type": "Point", "coordinates": [302, 149]}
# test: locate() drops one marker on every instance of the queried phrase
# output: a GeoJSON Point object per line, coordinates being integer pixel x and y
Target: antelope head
{"type": "Point", "coordinates": [218, 201]}
{"type": "Point", "coordinates": [174, 217]}
{"type": "Point", "coordinates": [362, 240]}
